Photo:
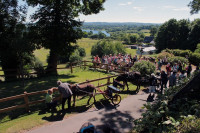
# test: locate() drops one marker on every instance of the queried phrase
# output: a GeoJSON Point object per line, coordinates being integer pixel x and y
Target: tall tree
{"type": "Point", "coordinates": [195, 6]}
{"type": "Point", "coordinates": [194, 38]}
{"type": "Point", "coordinates": [153, 31]}
{"type": "Point", "coordinates": [58, 25]}
{"type": "Point", "coordinates": [15, 50]}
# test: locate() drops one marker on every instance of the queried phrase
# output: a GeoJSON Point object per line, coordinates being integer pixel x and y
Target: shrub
{"type": "Point", "coordinates": [75, 58]}
{"type": "Point", "coordinates": [82, 52]}
{"type": "Point", "coordinates": [178, 52]}
{"type": "Point", "coordinates": [106, 47]}
{"type": "Point", "coordinates": [38, 67]}
{"type": "Point", "coordinates": [177, 59]}
{"type": "Point", "coordinates": [144, 67]}
{"type": "Point", "coordinates": [163, 54]}
{"type": "Point", "coordinates": [195, 58]}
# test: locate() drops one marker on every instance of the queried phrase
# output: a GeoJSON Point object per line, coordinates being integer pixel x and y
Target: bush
{"type": "Point", "coordinates": [144, 67]}
{"type": "Point", "coordinates": [164, 54]}
{"type": "Point", "coordinates": [82, 52]}
{"type": "Point", "coordinates": [195, 58]}
{"type": "Point", "coordinates": [75, 58]}
{"type": "Point", "coordinates": [177, 59]}
{"type": "Point", "coordinates": [106, 47]}
{"type": "Point", "coordinates": [38, 67]}
{"type": "Point", "coordinates": [178, 52]}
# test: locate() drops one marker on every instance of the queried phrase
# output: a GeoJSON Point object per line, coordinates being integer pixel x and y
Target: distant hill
{"type": "Point", "coordinates": [119, 23]}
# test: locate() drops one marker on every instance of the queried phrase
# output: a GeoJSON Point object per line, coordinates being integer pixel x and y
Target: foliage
{"type": "Point", "coordinates": [194, 34]}
{"type": "Point", "coordinates": [164, 54]}
{"type": "Point", "coordinates": [177, 59]}
{"type": "Point", "coordinates": [195, 58]}
{"type": "Point", "coordinates": [153, 31]}
{"type": "Point", "coordinates": [38, 67]}
{"type": "Point", "coordinates": [106, 47]}
{"type": "Point", "coordinates": [15, 39]}
{"type": "Point", "coordinates": [61, 28]}
{"type": "Point", "coordinates": [197, 49]}
{"type": "Point", "coordinates": [174, 34]}
{"type": "Point", "coordinates": [195, 6]}
{"type": "Point", "coordinates": [144, 67]}
{"type": "Point", "coordinates": [189, 124]}
{"type": "Point", "coordinates": [165, 116]}
{"type": "Point", "coordinates": [82, 52]}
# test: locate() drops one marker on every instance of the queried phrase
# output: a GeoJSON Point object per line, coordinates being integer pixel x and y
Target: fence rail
{"type": "Point", "coordinates": [107, 67]}
{"type": "Point", "coordinates": [28, 103]}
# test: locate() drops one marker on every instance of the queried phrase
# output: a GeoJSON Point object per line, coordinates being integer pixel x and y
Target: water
{"type": "Point", "coordinates": [97, 32]}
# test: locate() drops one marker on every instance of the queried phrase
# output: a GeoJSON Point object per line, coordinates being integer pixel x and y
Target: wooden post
{"type": "Point", "coordinates": [95, 65]}
{"type": "Point", "coordinates": [26, 101]}
{"type": "Point", "coordinates": [71, 67]}
{"type": "Point", "coordinates": [108, 81]}
{"type": "Point", "coordinates": [107, 68]}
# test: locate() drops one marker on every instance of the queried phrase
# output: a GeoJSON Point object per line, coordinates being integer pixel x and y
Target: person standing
{"type": "Point", "coordinates": [66, 93]}
{"type": "Point", "coordinates": [189, 69]}
{"type": "Point", "coordinates": [152, 83]}
{"type": "Point", "coordinates": [164, 80]}
{"type": "Point", "coordinates": [172, 79]}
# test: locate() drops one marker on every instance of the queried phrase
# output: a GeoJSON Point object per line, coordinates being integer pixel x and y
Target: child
{"type": "Point", "coordinates": [51, 104]}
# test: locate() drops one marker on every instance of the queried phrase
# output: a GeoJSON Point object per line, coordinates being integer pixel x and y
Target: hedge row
{"type": "Point", "coordinates": [194, 58]}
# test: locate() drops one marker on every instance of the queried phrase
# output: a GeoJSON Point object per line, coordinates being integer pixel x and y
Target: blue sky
{"type": "Point", "coordinates": [147, 11]}
{"type": "Point", "coordinates": [153, 11]}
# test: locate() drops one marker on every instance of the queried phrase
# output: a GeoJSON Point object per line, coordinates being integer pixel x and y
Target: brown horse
{"type": "Point", "coordinates": [133, 77]}
{"type": "Point", "coordinates": [83, 90]}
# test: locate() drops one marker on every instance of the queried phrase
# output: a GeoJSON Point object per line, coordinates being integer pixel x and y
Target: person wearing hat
{"type": "Point", "coordinates": [65, 92]}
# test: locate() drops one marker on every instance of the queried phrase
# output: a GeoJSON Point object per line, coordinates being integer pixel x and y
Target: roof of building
{"type": "Point", "coordinates": [148, 39]}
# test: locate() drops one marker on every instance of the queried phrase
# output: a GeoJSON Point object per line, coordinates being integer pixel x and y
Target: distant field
{"type": "Point", "coordinates": [85, 43]}
{"type": "Point", "coordinates": [42, 55]}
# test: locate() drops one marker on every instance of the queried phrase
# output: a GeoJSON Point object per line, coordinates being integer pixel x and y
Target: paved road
{"type": "Point", "coordinates": [117, 117]}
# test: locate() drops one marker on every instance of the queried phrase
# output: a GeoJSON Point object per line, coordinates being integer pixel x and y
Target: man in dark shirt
{"type": "Point", "coordinates": [66, 93]}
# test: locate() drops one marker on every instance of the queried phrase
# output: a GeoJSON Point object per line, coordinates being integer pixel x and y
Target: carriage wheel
{"type": "Point", "coordinates": [116, 99]}
{"type": "Point", "coordinates": [91, 100]}
{"type": "Point", "coordinates": [106, 96]}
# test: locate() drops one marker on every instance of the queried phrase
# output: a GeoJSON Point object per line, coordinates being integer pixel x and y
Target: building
{"type": "Point", "coordinates": [148, 39]}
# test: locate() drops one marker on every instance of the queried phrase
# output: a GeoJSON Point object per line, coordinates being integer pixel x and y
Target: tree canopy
{"type": "Point", "coordinates": [58, 26]}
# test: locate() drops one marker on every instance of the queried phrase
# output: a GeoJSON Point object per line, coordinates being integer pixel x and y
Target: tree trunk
{"type": "Point", "coordinates": [52, 63]}
{"type": "Point", "coordinates": [9, 66]}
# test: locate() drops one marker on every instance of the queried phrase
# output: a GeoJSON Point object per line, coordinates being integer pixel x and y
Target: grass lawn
{"type": "Point", "coordinates": [42, 55]}
{"type": "Point", "coordinates": [17, 120]}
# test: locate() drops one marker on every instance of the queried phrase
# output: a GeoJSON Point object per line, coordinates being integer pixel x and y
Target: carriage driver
{"type": "Point", "coordinates": [66, 93]}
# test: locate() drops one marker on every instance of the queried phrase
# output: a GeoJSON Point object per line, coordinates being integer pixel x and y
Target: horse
{"type": "Point", "coordinates": [133, 77]}
{"type": "Point", "coordinates": [82, 90]}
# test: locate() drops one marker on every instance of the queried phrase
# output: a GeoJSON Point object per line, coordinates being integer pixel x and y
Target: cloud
{"type": "Point", "coordinates": [182, 9]}
{"type": "Point", "coordinates": [125, 4]}
{"type": "Point", "coordinates": [139, 9]}
{"type": "Point", "coordinates": [176, 8]}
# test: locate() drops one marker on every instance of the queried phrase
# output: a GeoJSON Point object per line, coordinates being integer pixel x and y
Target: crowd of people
{"type": "Point", "coordinates": [169, 73]}
{"type": "Point", "coordinates": [118, 59]}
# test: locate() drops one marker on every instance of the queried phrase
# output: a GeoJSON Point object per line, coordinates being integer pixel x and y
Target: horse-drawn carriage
{"type": "Point", "coordinates": [111, 93]}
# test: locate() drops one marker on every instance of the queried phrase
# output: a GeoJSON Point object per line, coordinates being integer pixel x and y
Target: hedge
{"type": "Point", "coordinates": [164, 54]}
{"type": "Point", "coordinates": [194, 58]}
{"type": "Point", "coordinates": [177, 59]}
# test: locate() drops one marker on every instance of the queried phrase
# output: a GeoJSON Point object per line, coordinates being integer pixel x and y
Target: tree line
{"type": "Point", "coordinates": [181, 34]}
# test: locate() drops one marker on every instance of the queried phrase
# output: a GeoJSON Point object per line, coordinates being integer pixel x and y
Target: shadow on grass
{"type": "Point", "coordinates": [59, 115]}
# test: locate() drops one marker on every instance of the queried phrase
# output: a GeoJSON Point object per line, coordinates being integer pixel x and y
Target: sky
{"type": "Point", "coordinates": [145, 11]}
